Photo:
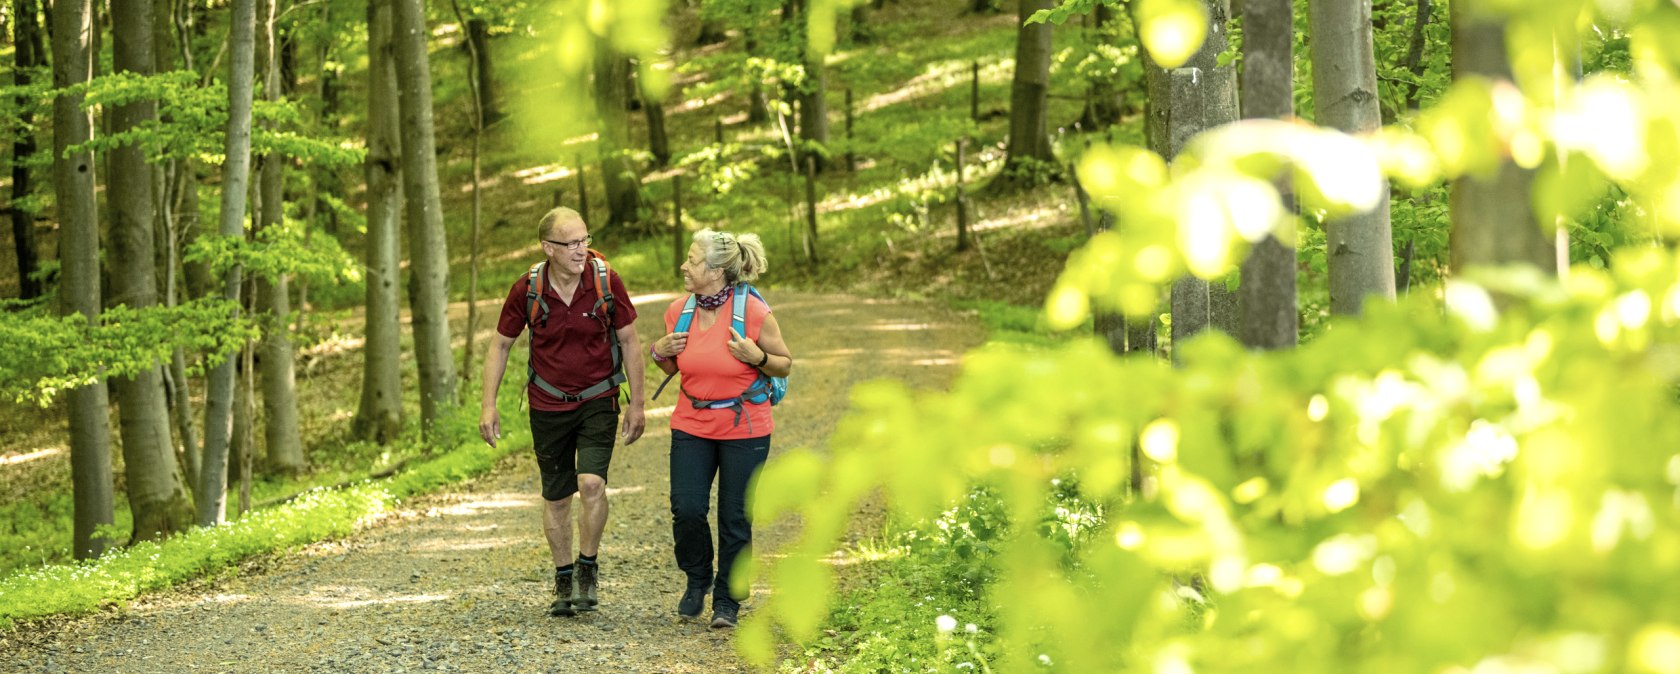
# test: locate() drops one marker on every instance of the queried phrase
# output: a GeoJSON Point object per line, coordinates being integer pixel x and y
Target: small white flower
{"type": "Point", "coordinates": [972, 628]}
{"type": "Point", "coordinates": [945, 623]}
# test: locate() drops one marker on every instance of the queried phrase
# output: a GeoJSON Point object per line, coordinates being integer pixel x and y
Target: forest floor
{"type": "Point", "coordinates": [460, 581]}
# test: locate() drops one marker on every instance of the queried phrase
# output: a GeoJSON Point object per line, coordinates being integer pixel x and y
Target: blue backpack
{"type": "Point", "coordinates": [763, 388]}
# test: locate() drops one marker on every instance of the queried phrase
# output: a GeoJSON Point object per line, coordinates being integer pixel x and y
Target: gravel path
{"type": "Point", "coordinates": [460, 581]}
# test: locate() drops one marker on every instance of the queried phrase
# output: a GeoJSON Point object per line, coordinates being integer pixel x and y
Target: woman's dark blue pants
{"type": "Point", "coordinates": [695, 461]}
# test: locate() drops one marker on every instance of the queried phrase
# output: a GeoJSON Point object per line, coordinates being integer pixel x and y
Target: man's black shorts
{"type": "Point", "coordinates": [572, 442]}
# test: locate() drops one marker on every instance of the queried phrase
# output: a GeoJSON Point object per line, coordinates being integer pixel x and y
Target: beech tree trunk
{"type": "Point", "coordinates": [624, 185]}
{"type": "Point", "coordinates": [379, 417]}
{"type": "Point", "coordinates": [1029, 99]}
{"type": "Point", "coordinates": [427, 244]}
{"type": "Point", "coordinates": [26, 41]}
{"type": "Point", "coordinates": [157, 495]}
{"type": "Point", "coordinates": [272, 305]}
{"type": "Point", "coordinates": [1270, 317]}
{"type": "Point", "coordinates": [219, 431]}
{"type": "Point", "coordinates": [478, 33]}
{"type": "Point", "coordinates": [78, 293]}
{"type": "Point", "coordinates": [1360, 247]}
{"type": "Point", "coordinates": [1493, 218]}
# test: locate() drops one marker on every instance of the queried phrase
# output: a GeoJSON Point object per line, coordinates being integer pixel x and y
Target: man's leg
{"type": "Point", "coordinates": [592, 520]}
{"type": "Point", "coordinates": [557, 526]}
{"type": "Point", "coordinates": [597, 430]}
{"type": "Point", "coordinates": [555, 440]}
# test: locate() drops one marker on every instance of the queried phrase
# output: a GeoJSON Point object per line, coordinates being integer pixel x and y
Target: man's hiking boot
{"type": "Point", "coordinates": [562, 606]}
{"type": "Point", "coordinates": [725, 616]}
{"type": "Point", "coordinates": [692, 599]}
{"type": "Point", "coordinates": [583, 592]}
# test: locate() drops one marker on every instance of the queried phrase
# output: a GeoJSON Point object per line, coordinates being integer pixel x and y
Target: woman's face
{"type": "Point", "coordinates": [696, 275]}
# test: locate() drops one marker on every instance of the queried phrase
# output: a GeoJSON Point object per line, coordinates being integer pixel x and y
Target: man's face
{"type": "Point", "coordinates": [568, 245]}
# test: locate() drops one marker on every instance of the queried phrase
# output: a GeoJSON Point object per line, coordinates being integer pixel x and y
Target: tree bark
{"type": "Point", "coordinates": [1271, 319]}
{"type": "Point", "coordinates": [277, 367]}
{"type": "Point", "coordinates": [1360, 247]}
{"type": "Point", "coordinates": [219, 427]}
{"type": "Point", "coordinates": [26, 41]}
{"type": "Point", "coordinates": [156, 494]}
{"type": "Point", "coordinates": [659, 144]}
{"type": "Point", "coordinates": [624, 186]}
{"type": "Point", "coordinates": [1493, 216]}
{"type": "Point", "coordinates": [478, 34]}
{"type": "Point", "coordinates": [90, 434]}
{"type": "Point", "coordinates": [428, 244]}
{"type": "Point", "coordinates": [379, 418]}
{"type": "Point", "coordinates": [1029, 100]}
{"type": "Point", "coordinates": [475, 74]}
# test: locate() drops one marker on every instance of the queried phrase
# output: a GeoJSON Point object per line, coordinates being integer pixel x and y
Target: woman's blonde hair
{"type": "Point", "coordinates": [740, 257]}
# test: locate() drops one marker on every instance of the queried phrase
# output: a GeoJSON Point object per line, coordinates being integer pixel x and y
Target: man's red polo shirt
{"type": "Point", "coordinates": [571, 350]}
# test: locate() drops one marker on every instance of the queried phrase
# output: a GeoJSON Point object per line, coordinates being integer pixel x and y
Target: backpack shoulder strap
{"type": "Point", "coordinates": [603, 285]}
{"type": "Point", "coordinates": [685, 318]}
{"type": "Point", "coordinates": [535, 280]}
{"type": "Point", "coordinates": [738, 312]}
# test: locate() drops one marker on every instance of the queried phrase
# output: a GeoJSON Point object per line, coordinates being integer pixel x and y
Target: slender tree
{"type": "Point", "coordinates": [379, 418]}
{"type": "Point", "coordinates": [272, 302]}
{"type": "Point", "coordinates": [1493, 217]}
{"type": "Point", "coordinates": [1360, 246]}
{"type": "Point", "coordinates": [624, 186]}
{"type": "Point", "coordinates": [478, 41]}
{"type": "Point", "coordinates": [90, 435]}
{"type": "Point", "coordinates": [1029, 99]}
{"type": "Point", "coordinates": [157, 495]}
{"type": "Point", "coordinates": [1270, 317]}
{"type": "Point", "coordinates": [26, 42]}
{"type": "Point", "coordinates": [428, 246]}
{"type": "Point", "coordinates": [474, 73]}
{"type": "Point", "coordinates": [219, 431]}
{"type": "Point", "coordinates": [811, 95]}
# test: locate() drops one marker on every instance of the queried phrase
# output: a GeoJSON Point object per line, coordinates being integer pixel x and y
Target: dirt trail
{"type": "Point", "coordinates": [459, 581]}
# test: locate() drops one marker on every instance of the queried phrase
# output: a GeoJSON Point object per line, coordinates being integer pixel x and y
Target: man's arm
{"type": "Point", "coordinates": [634, 418]}
{"type": "Point", "coordinates": [495, 363]}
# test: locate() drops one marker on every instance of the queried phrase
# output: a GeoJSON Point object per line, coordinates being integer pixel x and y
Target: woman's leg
{"type": "Point", "coordinates": [740, 459]}
{"type": "Point", "coordinates": [694, 461]}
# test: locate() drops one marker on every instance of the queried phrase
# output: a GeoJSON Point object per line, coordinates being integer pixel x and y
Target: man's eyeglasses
{"type": "Point", "coordinates": [570, 245]}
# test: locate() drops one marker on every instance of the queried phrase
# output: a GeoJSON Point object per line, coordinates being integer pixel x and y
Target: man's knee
{"type": "Point", "coordinates": [591, 487]}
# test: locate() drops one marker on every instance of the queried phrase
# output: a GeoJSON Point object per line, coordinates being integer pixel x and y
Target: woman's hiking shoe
{"type": "Point", "coordinates": [724, 617]}
{"type": "Point", "coordinates": [563, 588]}
{"type": "Point", "coordinates": [583, 592]}
{"type": "Point", "coordinates": [692, 600]}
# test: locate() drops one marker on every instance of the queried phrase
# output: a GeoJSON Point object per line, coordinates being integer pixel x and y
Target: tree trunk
{"type": "Point", "coordinates": [813, 112]}
{"type": "Point", "coordinates": [1029, 99]}
{"type": "Point", "coordinates": [1493, 217]}
{"type": "Point", "coordinates": [1359, 247]}
{"type": "Point", "coordinates": [475, 74]}
{"type": "Point", "coordinates": [1270, 317]}
{"type": "Point", "coordinates": [272, 304]}
{"type": "Point", "coordinates": [26, 40]}
{"type": "Point", "coordinates": [1414, 54]}
{"type": "Point", "coordinates": [758, 108]}
{"type": "Point", "coordinates": [478, 34]}
{"type": "Point", "coordinates": [156, 495]}
{"type": "Point", "coordinates": [379, 418]}
{"type": "Point", "coordinates": [90, 434]}
{"type": "Point", "coordinates": [1105, 104]}
{"type": "Point", "coordinates": [1184, 102]}
{"type": "Point", "coordinates": [624, 186]}
{"type": "Point", "coordinates": [428, 245]}
{"type": "Point", "coordinates": [219, 427]}
{"type": "Point", "coordinates": [658, 143]}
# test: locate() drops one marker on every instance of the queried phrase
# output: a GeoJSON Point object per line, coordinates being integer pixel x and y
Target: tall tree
{"type": "Point", "coordinates": [273, 297]}
{"type": "Point", "coordinates": [157, 495]}
{"type": "Point", "coordinates": [379, 418]}
{"type": "Point", "coordinates": [1360, 247]}
{"type": "Point", "coordinates": [175, 176]}
{"type": "Point", "coordinates": [1270, 318]}
{"type": "Point", "coordinates": [427, 244]}
{"type": "Point", "coordinates": [474, 72]}
{"type": "Point", "coordinates": [78, 293]}
{"type": "Point", "coordinates": [26, 41]}
{"type": "Point", "coordinates": [611, 87]}
{"type": "Point", "coordinates": [1183, 102]}
{"type": "Point", "coordinates": [478, 40]}
{"type": "Point", "coordinates": [236, 176]}
{"type": "Point", "coordinates": [1493, 216]}
{"type": "Point", "coordinates": [1029, 98]}
{"type": "Point", "coordinates": [812, 94]}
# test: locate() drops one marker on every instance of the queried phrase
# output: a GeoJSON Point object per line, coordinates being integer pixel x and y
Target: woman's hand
{"type": "Point", "coordinates": [671, 345]}
{"type": "Point", "coordinates": [744, 349]}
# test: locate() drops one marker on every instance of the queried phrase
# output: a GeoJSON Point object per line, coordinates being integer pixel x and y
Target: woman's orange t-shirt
{"type": "Point", "coordinates": [710, 372]}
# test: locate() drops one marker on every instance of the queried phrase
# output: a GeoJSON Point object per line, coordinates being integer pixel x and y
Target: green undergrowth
{"type": "Point", "coordinates": [318, 514]}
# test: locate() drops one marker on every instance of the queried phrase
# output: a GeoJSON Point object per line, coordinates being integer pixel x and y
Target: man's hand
{"type": "Point", "coordinates": [490, 425]}
{"type": "Point", "coordinates": [635, 421]}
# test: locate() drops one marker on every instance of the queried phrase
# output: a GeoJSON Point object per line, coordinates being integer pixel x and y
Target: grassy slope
{"type": "Point", "coordinates": [911, 89]}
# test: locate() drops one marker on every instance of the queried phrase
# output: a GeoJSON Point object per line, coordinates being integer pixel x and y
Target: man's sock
{"type": "Point", "coordinates": [563, 570]}
{"type": "Point", "coordinates": [587, 559]}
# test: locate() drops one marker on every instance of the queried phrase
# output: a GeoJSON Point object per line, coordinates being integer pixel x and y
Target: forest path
{"type": "Point", "coordinates": [460, 581]}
